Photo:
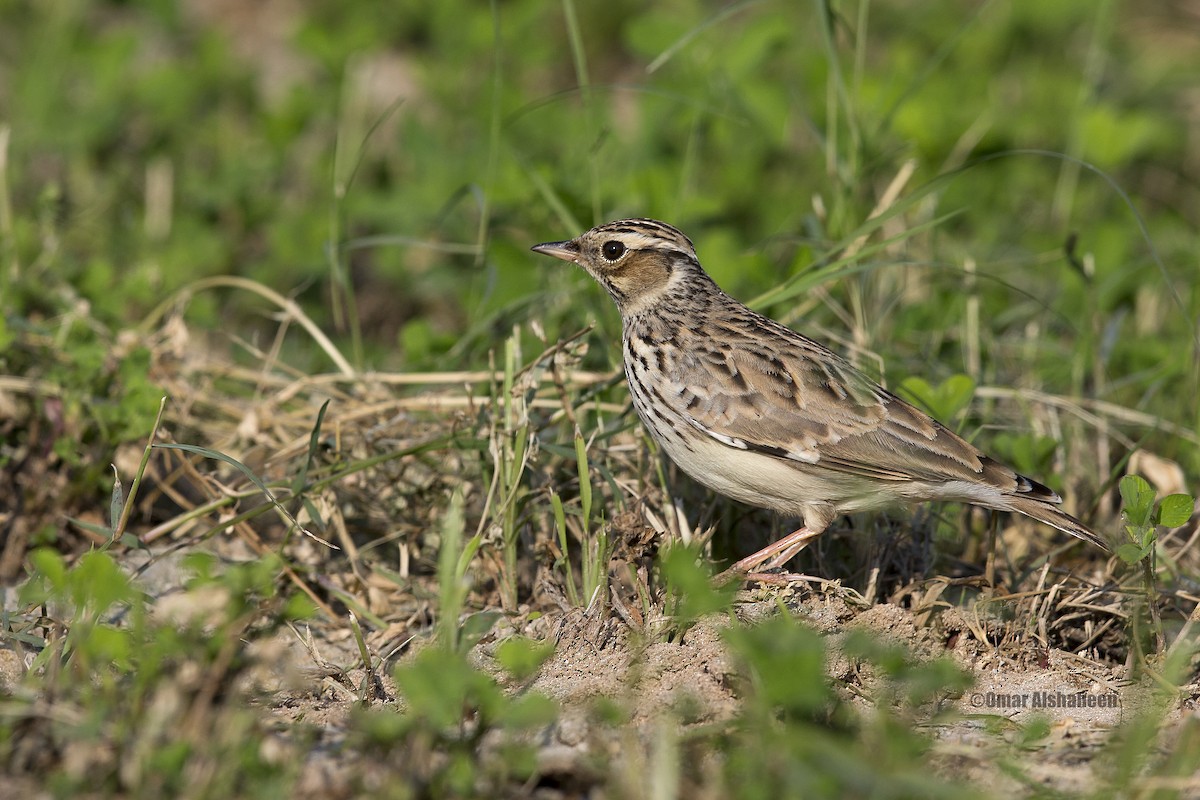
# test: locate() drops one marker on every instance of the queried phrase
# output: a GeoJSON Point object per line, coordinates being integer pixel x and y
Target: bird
{"type": "Point", "coordinates": [760, 413]}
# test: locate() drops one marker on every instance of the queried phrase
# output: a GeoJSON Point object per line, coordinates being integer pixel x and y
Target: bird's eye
{"type": "Point", "coordinates": [613, 250]}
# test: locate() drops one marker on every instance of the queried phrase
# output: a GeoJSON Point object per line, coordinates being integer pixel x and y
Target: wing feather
{"type": "Point", "coordinates": [796, 399]}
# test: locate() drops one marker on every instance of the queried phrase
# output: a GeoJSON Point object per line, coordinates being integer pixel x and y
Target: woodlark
{"type": "Point", "coordinates": [762, 414]}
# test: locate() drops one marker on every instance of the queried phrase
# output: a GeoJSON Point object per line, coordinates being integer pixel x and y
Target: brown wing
{"type": "Point", "coordinates": [783, 394]}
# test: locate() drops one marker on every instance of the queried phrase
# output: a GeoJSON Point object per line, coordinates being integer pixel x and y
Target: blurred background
{"type": "Point", "coordinates": [1006, 190]}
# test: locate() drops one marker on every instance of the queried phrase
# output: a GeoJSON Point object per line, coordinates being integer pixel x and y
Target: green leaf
{"type": "Point", "coordinates": [468, 552]}
{"type": "Point", "coordinates": [98, 582]}
{"type": "Point", "coordinates": [560, 525]}
{"type": "Point", "coordinates": [1130, 553]}
{"type": "Point", "coordinates": [521, 657]}
{"type": "Point", "coordinates": [529, 711]}
{"type": "Point", "coordinates": [108, 644]}
{"type": "Point", "coordinates": [955, 394]}
{"type": "Point", "coordinates": [691, 585]}
{"type": "Point", "coordinates": [1138, 500]}
{"type": "Point", "coordinates": [132, 542]}
{"type": "Point", "coordinates": [314, 450]}
{"type": "Point", "coordinates": [1028, 453]}
{"type": "Point", "coordinates": [299, 607]}
{"type": "Point", "coordinates": [475, 627]}
{"type": "Point", "coordinates": [560, 519]}
{"type": "Point", "coordinates": [382, 727]}
{"type": "Point", "coordinates": [787, 661]}
{"type": "Point", "coordinates": [945, 401]}
{"type": "Point", "coordinates": [93, 527]}
{"type": "Point", "coordinates": [585, 481]}
{"type": "Point", "coordinates": [48, 580]}
{"type": "Point", "coordinates": [451, 587]}
{"type": "Point", "coordinates": [438, 685]}
{"type": "Point", "coordinates": [1175, 510]}
{"type": "Point", "coordinates": [117, 504]}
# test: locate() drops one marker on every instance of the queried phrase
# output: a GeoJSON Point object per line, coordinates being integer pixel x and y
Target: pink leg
{"type": "Point", "coordinates": [775, 554]}
{"type": "Point", "coordinates": [802, 537]}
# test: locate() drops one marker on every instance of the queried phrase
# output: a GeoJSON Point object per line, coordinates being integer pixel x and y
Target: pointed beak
{"type": "Point", "coordinates": [567, 251]}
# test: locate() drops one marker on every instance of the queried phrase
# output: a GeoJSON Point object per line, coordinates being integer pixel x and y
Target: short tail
{"type": "Point", "coordinates": [1045, 512]}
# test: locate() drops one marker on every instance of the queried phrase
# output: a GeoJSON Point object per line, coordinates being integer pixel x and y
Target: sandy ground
{"type": "Point", "coordinates": [600, 657]}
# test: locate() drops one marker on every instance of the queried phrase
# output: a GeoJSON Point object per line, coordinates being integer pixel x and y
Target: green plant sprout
{"type": "Point", "coordinates": [595, 547]}
{"type": "Point", "coordinates": [945, 401]}
{"type": "Point", "coordinates": [1143, 517]}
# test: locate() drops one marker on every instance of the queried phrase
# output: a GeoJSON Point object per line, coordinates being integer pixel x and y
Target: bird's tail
{"type": "Point", "coordinates": [1055, 517]}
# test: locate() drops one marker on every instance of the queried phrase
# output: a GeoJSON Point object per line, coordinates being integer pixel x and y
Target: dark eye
{"type": "Point", "coordinates": [613, 250]}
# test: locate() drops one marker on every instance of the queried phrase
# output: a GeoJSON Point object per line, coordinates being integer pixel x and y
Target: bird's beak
{"type": "Point", "coordinates": [567, 251]}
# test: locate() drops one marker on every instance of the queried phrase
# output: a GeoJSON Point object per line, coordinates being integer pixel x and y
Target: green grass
{"type": "Point", "coordinates": [424, 192]}
{"type": "Point", "coordinates": [991, 206]}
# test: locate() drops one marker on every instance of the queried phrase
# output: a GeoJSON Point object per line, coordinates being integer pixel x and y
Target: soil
{"type": "Point", "coordinates": [600, 657]}
{"type": "Point", "coordinates": [694, 681]}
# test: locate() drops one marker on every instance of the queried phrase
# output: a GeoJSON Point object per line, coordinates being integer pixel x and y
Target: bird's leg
{"type": "Point", "coordinates": [775, 554]}
{"type": "Point", "coordinates": [798, 541]}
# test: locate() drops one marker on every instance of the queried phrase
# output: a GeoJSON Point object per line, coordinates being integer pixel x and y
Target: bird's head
{"type": "Point", "coordinates": [634, 259]}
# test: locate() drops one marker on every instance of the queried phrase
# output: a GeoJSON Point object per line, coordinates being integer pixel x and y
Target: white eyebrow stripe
{"type": "Point", "coordinates": [640, 241]}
